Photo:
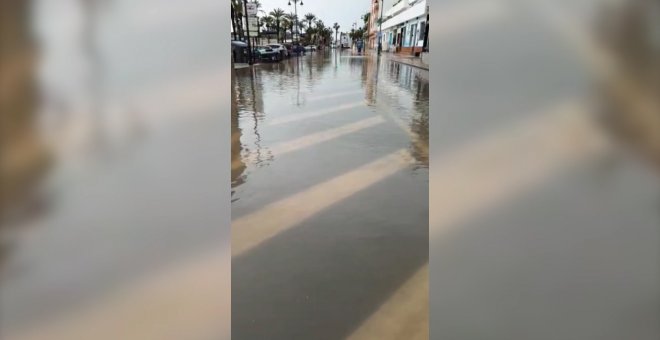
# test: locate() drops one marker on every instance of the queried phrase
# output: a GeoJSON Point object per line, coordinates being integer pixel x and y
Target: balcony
{"type": "Point", "coordinates": [398, 7]}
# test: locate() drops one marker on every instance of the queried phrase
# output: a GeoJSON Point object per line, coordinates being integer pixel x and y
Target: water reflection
{"type": "Point", "coordinates": [237, 164]}
{"type": "Point", "coordinates": [315, 85]}
{"type": "Point", "coordinates": [404, 92]}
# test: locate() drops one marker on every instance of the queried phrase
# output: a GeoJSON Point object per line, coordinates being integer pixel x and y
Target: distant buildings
{"type": "Point", "coordinates": [372, 26]}
{"type": "Point", "coordinates": [405, 27]}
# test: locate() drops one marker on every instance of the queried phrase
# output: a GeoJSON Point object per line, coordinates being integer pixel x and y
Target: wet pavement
{"type": "Point", "coordinates": [329, 194]}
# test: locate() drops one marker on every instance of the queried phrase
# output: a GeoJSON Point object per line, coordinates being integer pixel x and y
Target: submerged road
{"type": "Point", "coordinates": [330, 195]}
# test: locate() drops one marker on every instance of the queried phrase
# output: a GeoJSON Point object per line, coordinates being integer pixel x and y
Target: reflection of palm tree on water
{"type": "Point", "coordinates": [237, 164]}
{"type": "Point", "coordinates": [251, 104]}
{"type": "Point", "coordinates": [257, 107]}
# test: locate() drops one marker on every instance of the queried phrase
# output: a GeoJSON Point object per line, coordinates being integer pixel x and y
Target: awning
{"type": "Point", "coordinates": [413, 12]}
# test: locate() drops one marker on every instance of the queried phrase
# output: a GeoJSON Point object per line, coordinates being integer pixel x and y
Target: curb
{"type": "Point", "coordinates": [426, 68]}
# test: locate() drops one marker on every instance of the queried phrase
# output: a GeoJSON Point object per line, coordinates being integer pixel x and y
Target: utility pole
{"type": "Point", "coordinates": [247, 31]}
{"type": "Point", "coordinates": [380, 28]}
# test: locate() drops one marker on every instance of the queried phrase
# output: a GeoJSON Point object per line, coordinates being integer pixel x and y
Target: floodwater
{"type": "Point", "coordinates": [329, 195]}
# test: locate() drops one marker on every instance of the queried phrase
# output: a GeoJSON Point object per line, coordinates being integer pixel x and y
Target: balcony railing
{"type": "Point", "coordinates": [398, 6]}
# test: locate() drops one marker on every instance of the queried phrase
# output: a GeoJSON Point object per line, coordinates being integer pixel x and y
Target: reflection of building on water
{"type": "Point", "coordinates": [23, 157]}
{"type": "Point", "coordinates": [370, 79]}
{"type": "Point", "coordinates": [237, 164]}
{"type": "Point", "coordinates": [420, 121]}
{"type": "Point", "coordinates": [250, 108]}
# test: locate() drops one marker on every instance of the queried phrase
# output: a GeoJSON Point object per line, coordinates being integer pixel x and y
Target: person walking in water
{"type": "Point", "coordinates": [359, 46]}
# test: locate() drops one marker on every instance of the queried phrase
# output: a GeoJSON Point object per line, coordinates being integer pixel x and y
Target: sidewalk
{"type": "Point", "coordinates": [408, 60]}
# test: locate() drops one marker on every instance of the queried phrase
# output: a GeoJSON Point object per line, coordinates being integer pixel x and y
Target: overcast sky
{"type": "Point", "coordinates": [343, 12]}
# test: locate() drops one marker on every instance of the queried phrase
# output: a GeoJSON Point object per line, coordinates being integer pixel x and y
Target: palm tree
{"type": "Point", "coordinates": [336, 27]}
{"type": "Point", "coordinates": [277, 15]}
{"type": "Point", "coordinates": [268, 22]}
{"type": "Point", "coordinates": [291, 20]}
{"type": "Point", "coordinates": [237, 17]}
{"type": "Point", "coordinates": [365, 18]}
{"type": "Point", "coordinates": [288, 24]}
{"type": "Point", "coordinates": [309, 17]}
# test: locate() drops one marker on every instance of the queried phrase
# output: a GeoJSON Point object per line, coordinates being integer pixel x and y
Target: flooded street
{"type": "Point", "coordinates": [329, 194]}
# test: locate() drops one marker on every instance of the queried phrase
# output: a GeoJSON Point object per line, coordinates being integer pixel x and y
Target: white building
{"type": "Point", "coordinates": [405, 26]}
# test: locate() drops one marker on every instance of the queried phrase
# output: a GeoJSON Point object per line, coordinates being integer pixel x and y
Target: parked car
{"type": "Point", "coordinates": [266, 53]}
{"type": "Point", "coordinates": [310, 48]}
{"type": "Point", "coordinates": [284, 53]}
{"type": "Point", "coordinates": [298, 49]}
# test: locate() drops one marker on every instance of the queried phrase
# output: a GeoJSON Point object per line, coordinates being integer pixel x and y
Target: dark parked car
{"type": "Point", "coordinates": [297, 49]}
{"type": "Point", "coordinates": [266, 53]}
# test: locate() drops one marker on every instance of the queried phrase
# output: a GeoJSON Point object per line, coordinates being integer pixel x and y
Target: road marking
{"type": "Point", "coordinates": [483, 174]}
{"type": "Point", "coordinates": [250, 231]}
{"type": "Point", "coordinates": [324, 136]}
{"type": "Point", "coordinates": [414, 137]}
{"type": "Point", "coordinates": [405, 315]}
{"type": "Point", "coordinates": [641, 105]}
{"type": "Point", "coordinates": [312, 139]}
{"type": "Point", "coordinates": [313, 114]}
{"type": "Point", "coordinates": [191, 300]}
{"type": "Point", "coordinates": [334, 95]}
{"type": "Point", "coordinates": [476, 177]}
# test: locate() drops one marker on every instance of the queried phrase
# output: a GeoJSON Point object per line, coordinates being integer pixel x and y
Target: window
{"type": "Point", "coordinates": [422, 30]}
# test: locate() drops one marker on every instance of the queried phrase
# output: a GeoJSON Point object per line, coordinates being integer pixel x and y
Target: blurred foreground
{"type": "Point", "coordinates": [544, 192]}
{"type": "Point", "coordinates": [113, 173]}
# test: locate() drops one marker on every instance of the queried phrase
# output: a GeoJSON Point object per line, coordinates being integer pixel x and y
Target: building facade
{"type": "Point", "coordinates": [372, 26]}
{"type": "Point", "coordinates": [405, 27]}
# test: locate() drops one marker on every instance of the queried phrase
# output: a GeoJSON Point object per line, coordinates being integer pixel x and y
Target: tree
{"type": "Point", "coordinates": [290, 20]}
{"type": "Point", "coordinates": [365, 19]}
{"type": "Point", "coordinates": [233, 23]}
{"type": "Point", "coordinates": [237, 18]}
{"type": "Point", "coordinates": [320, 29]}
{"type": "Point", "coordinates": [277, 15]}
{"type": "Point", "coordinates": [268, 22]}
{"type": "Point", "coordinates": [327, 35]}
{"type": "Point", "coordinates": [336, 27]}
{"type": "Point", "coordinates": [309, 17]}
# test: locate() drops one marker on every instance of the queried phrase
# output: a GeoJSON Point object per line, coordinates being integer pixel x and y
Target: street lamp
{"type": "Point", "coordinates": [295, 8]}
{"type": "Point", "coordinates": [380, 29]}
